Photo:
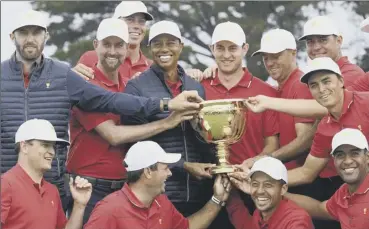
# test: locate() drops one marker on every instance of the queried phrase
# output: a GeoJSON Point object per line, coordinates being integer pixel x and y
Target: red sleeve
{"type": "Point", "coordinates": [332, 205]}
{"type": "Point", "coordinates": [302, 92]}
{"type": "Point", "coordinates": [237, 212]}
{"type": "Point", "coordinates": [321, 146]}
{"type": "Point", "coordinates": [6, 199]}
{"type": "Point", "coordinates": [89, 120]}
{"type": "Point", "coordinates": [61, 218]}
{"type": "Point", "coordinates": [89, 59]}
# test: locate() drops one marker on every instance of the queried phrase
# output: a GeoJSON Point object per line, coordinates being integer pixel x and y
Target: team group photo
{"type": "Point", "coordinates": [184, 115]}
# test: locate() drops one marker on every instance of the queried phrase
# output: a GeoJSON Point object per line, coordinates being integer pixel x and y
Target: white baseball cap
{"type": "Point", "coordinates": [164, 27]}
{"type": "Point", "coordinates": [145, 153]}
{"type": "Point", "coordinates": [270, 166]}
{"type": "Point", "coordinates": [365, 25]}
{"type": "Point", "coordinates": [127, 8]}
{"type": "Point", "coordinates": [319, 64]}
{"type": "Point", "coordinates": [275, 41]}
{"type": "Point", "coordinates": [349, 136]}
{"type": "Point", "coordinates": [29, 17]}
{"type": "Point", "coordinates": [228, 31]}
{"type": "Point", "coordinates": [37, 129]}
{"type": "Point", "coordinates": [112, 27]}
{"type": "Point", "coordinates": [320, 25]}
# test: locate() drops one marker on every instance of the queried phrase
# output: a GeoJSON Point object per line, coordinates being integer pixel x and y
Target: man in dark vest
{"type": "Point", "coordinates": [34, 86]}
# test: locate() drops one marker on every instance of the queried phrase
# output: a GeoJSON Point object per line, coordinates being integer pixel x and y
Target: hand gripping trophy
{"type": "Point", "coordinates": [221, 122]}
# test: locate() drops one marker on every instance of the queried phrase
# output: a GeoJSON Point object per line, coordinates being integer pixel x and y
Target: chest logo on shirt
{"type": "Point", "coordinates": [47, 84]}
{"type": "Point", "coordinates": [159, 221]}
{"type": "Point", "coordinates": [52, 203]}
{"type": "Point", "coordinates": [365, 210]}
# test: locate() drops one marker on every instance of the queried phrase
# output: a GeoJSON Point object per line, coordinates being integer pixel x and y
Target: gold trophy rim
{"type": "Point", "coordinates": [221, 101]}
{"type": "Point", "coordinates": [222, 168]}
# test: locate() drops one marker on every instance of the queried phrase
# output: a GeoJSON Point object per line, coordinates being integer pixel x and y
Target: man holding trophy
{"type": "Point", "coordinates": [223, 120]}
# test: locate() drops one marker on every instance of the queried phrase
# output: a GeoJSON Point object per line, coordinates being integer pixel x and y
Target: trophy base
{"type": "Point", "coordinates": [222, 169]}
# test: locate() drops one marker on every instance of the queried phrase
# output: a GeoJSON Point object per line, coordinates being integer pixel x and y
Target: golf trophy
{"type": "Point", "coordinates": [221, 122]}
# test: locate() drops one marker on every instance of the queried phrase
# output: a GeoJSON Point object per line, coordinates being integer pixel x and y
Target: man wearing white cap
{"type": "Point", "coordinates": [140, 204]}
{"type": "Point", "coordinates": [278, 50]}
{"type": "Point", "coordinates": [96, 152]}
{"type": "Point", "coordinates": [135, 14]}
{"type": "Point", "coordinates": [33, 86]}
{"type": "Point", "coordinates": [166, 79]}
{"type": "Point", "coordinates": [349, 204]}
{"type": "Point", "coordinates": [29, 201]}
{"type": "Point", "coordinates": [323, 39]}
{"type": "Point", "coordinates": [345, 109]}
{"type": "Point", "coordinates": [267, 186]}
{"type": "Point", "coordinates": [231, 80]}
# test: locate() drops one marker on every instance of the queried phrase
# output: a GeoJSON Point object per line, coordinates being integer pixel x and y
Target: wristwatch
{"type": "Point", "coordinates": [218, 202]}
{"type": "Point", "coordinates": [165, 104]}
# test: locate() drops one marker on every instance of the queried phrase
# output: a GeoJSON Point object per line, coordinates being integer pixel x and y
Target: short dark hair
{"type": "Point", "coordinates": [17, 146]}
{"type": "Point", "coordinates": [134, 176]}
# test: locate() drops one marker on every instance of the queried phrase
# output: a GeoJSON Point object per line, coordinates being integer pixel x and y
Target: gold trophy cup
{"type": "Point", "coordinates": [221, 122]}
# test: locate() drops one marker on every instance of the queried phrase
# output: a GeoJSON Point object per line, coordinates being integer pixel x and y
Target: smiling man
{"type": "Point", "coordinates": [231, 80]}
{"type": "Point", "coordinates": [349, 204]}
{"type": "Point", "coordinates": [27, 199]}
{"type": "Point", "coordinates": [278, 50]}
{"type": "Point", "coordinates": [140, 204]}
{"type": "Point", "coordinates": [135, 14]}
{"type": "Point", "coordinates": [267, 188]}
{"type": "Point", "coordinates": [323, 39]}
{"type": "Point", "coordinates": [166, 79]}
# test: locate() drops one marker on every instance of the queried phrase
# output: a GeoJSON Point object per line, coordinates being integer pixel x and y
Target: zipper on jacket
{"type": "Point", "coordinates": [183, 127]}
{"type": "Point", "coordinates": [25, 95]}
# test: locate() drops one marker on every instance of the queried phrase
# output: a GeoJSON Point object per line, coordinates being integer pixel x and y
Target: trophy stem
{"type": "Point", "coordinates": [222, 155]}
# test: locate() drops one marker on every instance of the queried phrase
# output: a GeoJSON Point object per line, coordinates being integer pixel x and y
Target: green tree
{"type": "Point", "coordinates": [195, 19]}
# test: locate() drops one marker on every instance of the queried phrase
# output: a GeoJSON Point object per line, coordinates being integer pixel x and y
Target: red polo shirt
{"type": "Point", "coordinates": [90, 154]}
{"type": "Point", "coordinates": [352, 210]}
{"type": "Point", "coordinates": [26, 204]}
{"type": "Point", "coordinates": [258, 126]}
{"type": "Point", "coordinates": [126, 69]}
{"type": "Point", "coordinates": [355, 114]}
{"type": "Point", "coordinates": [287, 216]}
{"type": "Point", "coordinates": [122, 210]}
{"type": "Point", "coordinates": [351, 72]}
{"type": "Point", "coordinates": [362, 84]}
{"type": "Point", "coordinates": [175, 87]}
{"type": "Point", "coordinates": [292, 89]}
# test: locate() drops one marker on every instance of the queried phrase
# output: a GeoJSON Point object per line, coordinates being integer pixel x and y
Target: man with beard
{"type": "Point", "coordinates": [347, 109]}
{"type": "Point", "coordinates": [27, 200]}
{"type": "Point", "coordinates": [354, 77]}
{"type": "Point", "coordinates": [268, 186]}
{"type": "Point", "coordinates": [135, 14]}
{"type": "Point", "coordinates": [97, 152]}
{"type": "Point", "coordinates": [140, 204]}
{"type": "Point", "coordinates": [166, 79]}
{"type": "Point", "coordinates": [349, 204]}
{"type": "Point", "coordinates": [33, 86]}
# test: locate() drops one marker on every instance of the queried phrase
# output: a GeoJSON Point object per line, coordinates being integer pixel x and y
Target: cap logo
{"type": "Point", "coordinates": [315, 23]}
{"type": "Point", "coordinates": [30, 14]}
{"type": "Point", "coordinates": [115, 25]}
